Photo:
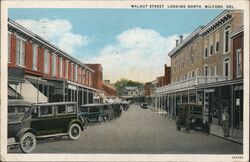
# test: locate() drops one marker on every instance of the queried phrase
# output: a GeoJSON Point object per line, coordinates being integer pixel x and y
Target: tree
{"type": "Point", "coordinates": [120, 84]}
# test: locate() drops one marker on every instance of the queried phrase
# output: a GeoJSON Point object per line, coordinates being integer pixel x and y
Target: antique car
{"type": "Point", "coordinates": [108, 112]}
{"type": "Point", "coordinates": [190, 117]}
{"type": "Point", "coordinates": [28, 122]}
{"type": "Point", "coordinates": [124, 105]}
{"type": "Point", "coordinates": [144, 105]}
{"type": "Point", "coordinates": [117, 109]}
{"type": "Point", "coordinates": [92, 113]}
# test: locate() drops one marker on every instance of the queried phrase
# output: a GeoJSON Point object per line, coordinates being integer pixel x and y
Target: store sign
{"type": "Point", "coordinates": [72, 87]}
{"type": "Point", "coordinates": [209, 90]}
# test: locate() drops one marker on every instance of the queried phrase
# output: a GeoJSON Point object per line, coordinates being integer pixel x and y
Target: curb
{"type": "Point", "coordinates": [227, 139]}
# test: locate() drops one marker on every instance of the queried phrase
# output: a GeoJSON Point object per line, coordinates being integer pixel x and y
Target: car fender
{"type": "Point", "coordinates": [77, 122]}
{"type": "Point", "coordinates": [20, 133]}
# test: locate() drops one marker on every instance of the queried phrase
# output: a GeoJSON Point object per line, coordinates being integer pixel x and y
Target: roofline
{"type": "Point", "coordinates": [43, 41]}
{"type": "Point", "coordinates": [222, 14]}
{"type": "Point", "coordinates": [196, 31]}
{"type": "Point", "coordinates": [237, 31]}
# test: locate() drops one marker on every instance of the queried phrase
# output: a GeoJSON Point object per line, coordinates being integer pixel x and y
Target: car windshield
{"type": "Point", "coordinates": [16, 113]}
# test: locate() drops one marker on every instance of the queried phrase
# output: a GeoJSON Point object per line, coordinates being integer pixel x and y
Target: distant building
{"type": "Point", "coordinates": [105, 87]}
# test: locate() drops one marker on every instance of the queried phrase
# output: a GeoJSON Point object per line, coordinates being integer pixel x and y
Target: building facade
{"type": "Point", "coordinates": [207, 68]}
{"type": "Point", "coordinates": [38, 71]}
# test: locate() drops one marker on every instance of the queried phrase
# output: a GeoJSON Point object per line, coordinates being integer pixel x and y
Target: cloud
{"type": "Point", "coordinates": [57, 31]}
{"type": "Point", "coordinates": [139, 54]}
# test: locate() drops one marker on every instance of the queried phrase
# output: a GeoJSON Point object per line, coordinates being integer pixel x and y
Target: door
{"type": "Point", "coordinates": [43, 120]}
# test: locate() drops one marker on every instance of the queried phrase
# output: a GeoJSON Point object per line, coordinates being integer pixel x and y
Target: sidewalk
{"type": "Point", "coordinates": [215, 130]}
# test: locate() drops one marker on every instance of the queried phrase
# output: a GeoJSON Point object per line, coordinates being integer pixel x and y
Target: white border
{"type": "Point", "coordinates": [240, 4]}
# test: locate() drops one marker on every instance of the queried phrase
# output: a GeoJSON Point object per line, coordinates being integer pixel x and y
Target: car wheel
{"type": "Point", "coordinates": [111, 117]}
{"type": "Point", "coordinates": [28, 142]}
{"type": "Point", "coordinates": [178, 127]}
{"type": "Point", "coordinates": [100, 119]}
{"type": "Point", "coordinates": [74, 132]}
{"type": "Point", "coordinates": [187, 128]}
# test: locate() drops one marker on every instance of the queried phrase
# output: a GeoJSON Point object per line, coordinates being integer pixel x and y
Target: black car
{"type": "Point", "coordinates": [144, 105]}
{"type": "Point", "coordinates": [190, 117]}
{"type": "Point", "coordinates": [124, 105]}
{"type": "Point", "coordinates": [92, 113]}
{"type": "Point", "coordinates": [108, 112]}
{"type": "Point", "coordinates": [28, 122]}
{"type": "Point", "coordinates": [117, 109]}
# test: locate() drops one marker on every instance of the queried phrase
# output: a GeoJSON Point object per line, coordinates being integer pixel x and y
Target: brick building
{"type": "Point", "coordinates": [43, 70]}
{"type": "Point", "coordinates": [104, 86]}
{"type": "Point", "coordinates": [207, 68]}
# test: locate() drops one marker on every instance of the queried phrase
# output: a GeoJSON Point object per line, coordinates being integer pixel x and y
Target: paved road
{"type": "Point", "coordinates": [139, 131]}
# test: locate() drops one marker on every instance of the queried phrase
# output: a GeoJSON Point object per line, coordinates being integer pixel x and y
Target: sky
{"type": "Point", "coordinates": [129, 43]}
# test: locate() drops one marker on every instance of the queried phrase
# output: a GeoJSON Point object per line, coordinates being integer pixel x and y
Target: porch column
{"type": "Point", "coordinates": [63, 91]}
{"type": "Point", "coordinates": [87, 92]}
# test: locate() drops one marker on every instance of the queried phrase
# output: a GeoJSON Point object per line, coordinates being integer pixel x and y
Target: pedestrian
{"type": "Point", "coordinates": [225, 122]}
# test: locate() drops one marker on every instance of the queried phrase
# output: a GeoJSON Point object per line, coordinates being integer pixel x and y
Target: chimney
{"type": "Point", "coordinates": [181, 39]}
{"type": "Point", "coordinates": [177, 42]}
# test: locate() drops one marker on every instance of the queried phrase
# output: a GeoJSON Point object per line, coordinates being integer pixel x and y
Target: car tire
{"type": "Point", "coordinates": [178, 127]}
{"type": "Point", "coordinates": [74, 132]}
{"type": "Point", "coordinates": [100, 120]}
{"type": "Point", "coordinates": [28, 142]}
{"type": "Point", "coordinates": [111, 117]}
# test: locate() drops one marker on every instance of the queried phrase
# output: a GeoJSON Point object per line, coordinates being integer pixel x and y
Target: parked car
{"type": "Point", "coordinates": [108, 112]}
{"type": "Point", "coordinates": [117, 109]}
{"type": "Point", "coordinates": [92, 112]}
{"type": "Point", "coordinates": [28, 122]}
{"type": "Point", "coordinates": [125, 105]}
{"type": "Point", "coordinates": [190, 116]}
{"type": "Point", "coordinates": [144, 105]}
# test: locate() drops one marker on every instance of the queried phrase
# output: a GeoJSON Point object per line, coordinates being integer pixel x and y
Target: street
{"type": "Point", "coordinates": [139, 131]}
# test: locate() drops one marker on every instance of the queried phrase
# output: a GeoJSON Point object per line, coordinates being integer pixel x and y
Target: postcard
{"type": "Point", "coordinates": [124, 80]}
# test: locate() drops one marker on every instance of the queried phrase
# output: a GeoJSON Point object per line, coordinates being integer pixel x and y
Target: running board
{"type": "Point", "coordinates": [52, 135]}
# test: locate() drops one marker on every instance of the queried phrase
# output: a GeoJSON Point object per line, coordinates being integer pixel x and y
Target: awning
{"type": "Point", "coordinates": [15, 75]}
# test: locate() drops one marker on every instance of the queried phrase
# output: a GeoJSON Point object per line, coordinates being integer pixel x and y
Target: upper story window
{"type": "Point", "coordinates": [66, 69]}
{"type": "Point", "coordinates": [54, 65]}
{"type": "Point", "coordinates": [239, 62]}
{"type": "Point", "coordinates": [9, 46]}
{"type": "Point", "coordinates": [211, 44]}
{"type": "Point", "coordinates": [34, 57]}
{"type": "Point", "coordinates": [46, 62]}
{"type": "Point", "coordinates": [20, 52]}
{"type": "Point", "coordinates": [217, 36]}
{"type": "Point", "coordinates": [76, 72]}
{"type": "Point", "coordinates": [60, 67]}
{"type": "Point", "coordinates": [72, 71]}
{"type": "Point", "coordinates": [83, 76]}
{"type": "Point", "coordinates": [226, 39]}
{"type": "Point", "coordinates": [205, 48]}
{"type": "Point", "coordinates": [205, 70]}
{"type": "Point", "coordinates": [192, 55]}
{"type": "Point", "coordinates": [226, 67]}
